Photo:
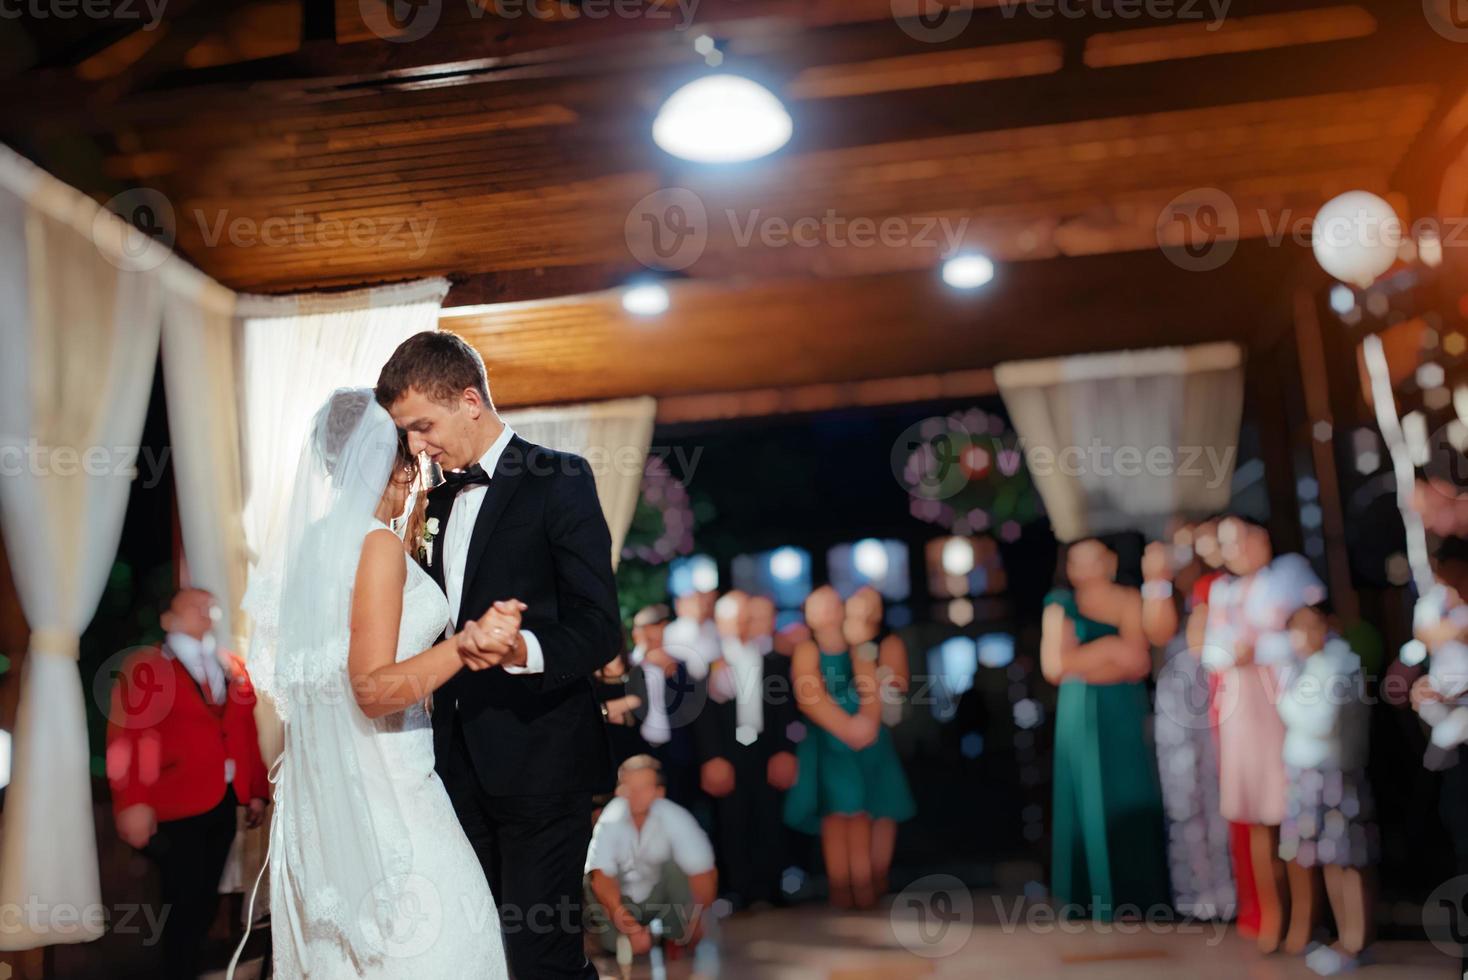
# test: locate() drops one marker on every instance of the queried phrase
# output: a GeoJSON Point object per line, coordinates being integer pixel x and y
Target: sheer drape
{"type": "Point", "coordinates": [79, 324]}
{"type": "Point", "coordinates": [203, 423]}
{"type": "Point", "coordinates": [297, 350]}
{"type": "Point", "coordinates": [294, 352]}
{"type": "Point", "coordinates": [1126, 441]}
{"type": "Point", "coordinates": [614, 437]}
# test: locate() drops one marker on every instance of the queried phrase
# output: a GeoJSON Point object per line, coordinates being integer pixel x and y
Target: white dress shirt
{"type": "Point", "coordinates": [636, 858]}
{"type": "Point", "coordinates": [694, 643]}
{"type": "Point", "coordinates": [746, 675]}
{"type": "Point", "coordinates": [201, 659]}
{"type": "Point", "coordinates": [462, 518]}
{"type": "Point", "coordinates": [656, 728]}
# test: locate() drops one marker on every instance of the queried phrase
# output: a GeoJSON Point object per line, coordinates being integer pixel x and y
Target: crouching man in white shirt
{"type": "Point", "coordinates": [649, 860]}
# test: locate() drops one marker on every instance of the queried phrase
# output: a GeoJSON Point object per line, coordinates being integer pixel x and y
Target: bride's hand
{"type": "Point", "coordinates": [492, 638]}
{"type": "Point", "coordinates": [470, 642]}
{"type": "Point", "coordinates": [502, 623]}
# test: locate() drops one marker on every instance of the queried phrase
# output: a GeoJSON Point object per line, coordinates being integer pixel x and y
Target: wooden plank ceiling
{"type": "Point", "coordinates": [299, 150]}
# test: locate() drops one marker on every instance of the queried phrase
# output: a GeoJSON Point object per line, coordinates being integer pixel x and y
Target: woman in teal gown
{"type": "Point", "coordinates": [1107, 837]}
{"type": "Point", "coordinates": [849, 773]}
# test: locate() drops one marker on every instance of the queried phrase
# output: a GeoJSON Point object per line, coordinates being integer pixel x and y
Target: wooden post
{"type": "Point", "coordinates": [1315, 382]}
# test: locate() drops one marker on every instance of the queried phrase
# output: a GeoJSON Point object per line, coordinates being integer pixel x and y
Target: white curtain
{"type": "Point", "coordinates": [295, 351]}
{"type": "Point", "coordinates": [614, 437]}
{"type": "Point", "coordinates": [203, 424]}
{"type": "Point", "coordinates": [80, 301]}
{"type": "Point", "coordinates": [1127, 441]}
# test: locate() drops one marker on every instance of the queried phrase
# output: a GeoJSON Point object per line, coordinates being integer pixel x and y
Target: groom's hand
{"type": "Point", "coordinates": [494, 640]}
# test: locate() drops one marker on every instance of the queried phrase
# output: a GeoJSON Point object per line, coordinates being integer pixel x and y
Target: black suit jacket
{"type": "Point", "coordinates": [715, 727]}
{"type": "Point", "coordinates": [540, 537]}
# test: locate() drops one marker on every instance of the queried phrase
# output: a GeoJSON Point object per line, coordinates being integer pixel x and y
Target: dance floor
{"type": "Point", "coordinates": [816, 943]}
{"type": "Point", "coordinates": [978, 936]}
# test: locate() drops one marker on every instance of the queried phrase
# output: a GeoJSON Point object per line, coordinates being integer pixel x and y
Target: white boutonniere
{"type": "Point", "coordinates": [425, 543]}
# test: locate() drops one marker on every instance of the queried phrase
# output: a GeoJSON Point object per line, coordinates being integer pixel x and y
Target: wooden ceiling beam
{"type": "Point", "coordinates": [798, 332]}
{"type": "Point", "coordinates": [768, 35]}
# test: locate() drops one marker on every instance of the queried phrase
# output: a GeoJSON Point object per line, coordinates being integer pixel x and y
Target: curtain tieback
{"type": "Point", "coordinates": [58, 643]}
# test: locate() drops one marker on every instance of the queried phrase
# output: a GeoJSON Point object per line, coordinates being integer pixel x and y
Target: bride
{"type": "Point", "coordinates": [370, 873]}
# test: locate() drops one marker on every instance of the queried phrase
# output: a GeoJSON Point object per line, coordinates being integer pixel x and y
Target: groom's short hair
{"type": "Point", "coordinates": [439, 364]}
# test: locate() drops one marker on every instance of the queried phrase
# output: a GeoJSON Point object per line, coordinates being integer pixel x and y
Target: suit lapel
{"type": "Point", "coordinates": [508, 473]}
{"type": "Point", "coordinates": [204, 697]}
{"type": "Point", "coordinates": [440, 504]}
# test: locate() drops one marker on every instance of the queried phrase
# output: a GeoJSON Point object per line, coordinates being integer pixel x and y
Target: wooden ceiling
{"type": "Point", "coordinates": [297, 149]}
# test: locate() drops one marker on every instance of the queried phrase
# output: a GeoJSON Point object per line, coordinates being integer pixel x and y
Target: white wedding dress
{"type": "Point", "coordinates": [371, 874]}
{"type": "Point", "coordinates": [448, 925]}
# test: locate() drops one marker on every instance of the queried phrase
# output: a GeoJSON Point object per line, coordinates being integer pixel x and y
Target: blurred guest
{"type": "Point", "coordinates": [182, 757]}
{"type": "Point", "coordinates": [1246, 641]}
{"type": "Point", "coordinates": [1187, 756]}
{"type": "Point", "coordinates": [1210, 555]}
{"type": "Point", "coordinates": [1450, 569]}
{"type": "Point", "coordinates": [849, 772]}
{"type": "Point", "coordinates": [788, 638]}
{"type": "Point", "coordinates": [692, 638]}
{"type": "Point", "coordinates": [1328, 810]}
{"type": "Point", "coordinates": [1107, 833]}
{"type": "Point", "coordinates": [649, 860]}
{"type": "Point", "coordinates": [746, 757]}
{"type": "Point", "coordinates": [620, 706]}
{"type": "Point", "coordinates": [872, 641]}
{"type": "Point", "coordinates": [1440, 624]}
{"type": "Point", "coordinates": [761, 612]}
{"type": "Point", "coordinates": [669, 699]}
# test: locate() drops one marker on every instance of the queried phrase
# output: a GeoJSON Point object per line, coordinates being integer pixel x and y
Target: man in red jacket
{"type": "Point", "coordinates": [182, 755]}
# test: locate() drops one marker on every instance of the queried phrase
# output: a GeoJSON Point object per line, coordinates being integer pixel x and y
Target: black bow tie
{"type": "Point", "coordinates": [471, 476]}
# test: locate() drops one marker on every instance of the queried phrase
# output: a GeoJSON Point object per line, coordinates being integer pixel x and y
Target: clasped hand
{"type": "Point", "coordinates": [493, 639]}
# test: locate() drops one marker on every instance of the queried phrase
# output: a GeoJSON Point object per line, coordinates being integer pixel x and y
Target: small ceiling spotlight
{"type": "Point", "coordinates": [645, 299]}
{"type": "Point", "coordinates": [968, 271]}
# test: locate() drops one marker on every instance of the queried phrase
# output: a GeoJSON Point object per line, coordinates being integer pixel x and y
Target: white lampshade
{"type": "Point", "coordinates": [722, 118]}
{"type": "Point", "coordinates": [1356, 237]}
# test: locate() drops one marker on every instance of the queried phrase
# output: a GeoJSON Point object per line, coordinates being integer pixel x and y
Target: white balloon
{"type": "Point", "coordinates": [1356, 237]}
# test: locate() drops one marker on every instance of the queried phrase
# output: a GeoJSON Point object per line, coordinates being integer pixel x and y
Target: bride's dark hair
{"type": "Point", "coordinates": [407, 459]}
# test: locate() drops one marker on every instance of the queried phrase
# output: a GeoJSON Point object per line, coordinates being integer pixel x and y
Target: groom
{"type": "Point", "coordinates": [521, 747]}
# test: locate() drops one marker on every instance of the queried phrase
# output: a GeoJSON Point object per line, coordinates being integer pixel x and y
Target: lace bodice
{"type": "Point", "coordinates": [424, 618]}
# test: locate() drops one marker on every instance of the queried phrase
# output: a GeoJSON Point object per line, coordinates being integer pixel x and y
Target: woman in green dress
{"type": "Point", "coordinates": [849, 773]}
{"type": "Point", "coordinates": [1108, 844]}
